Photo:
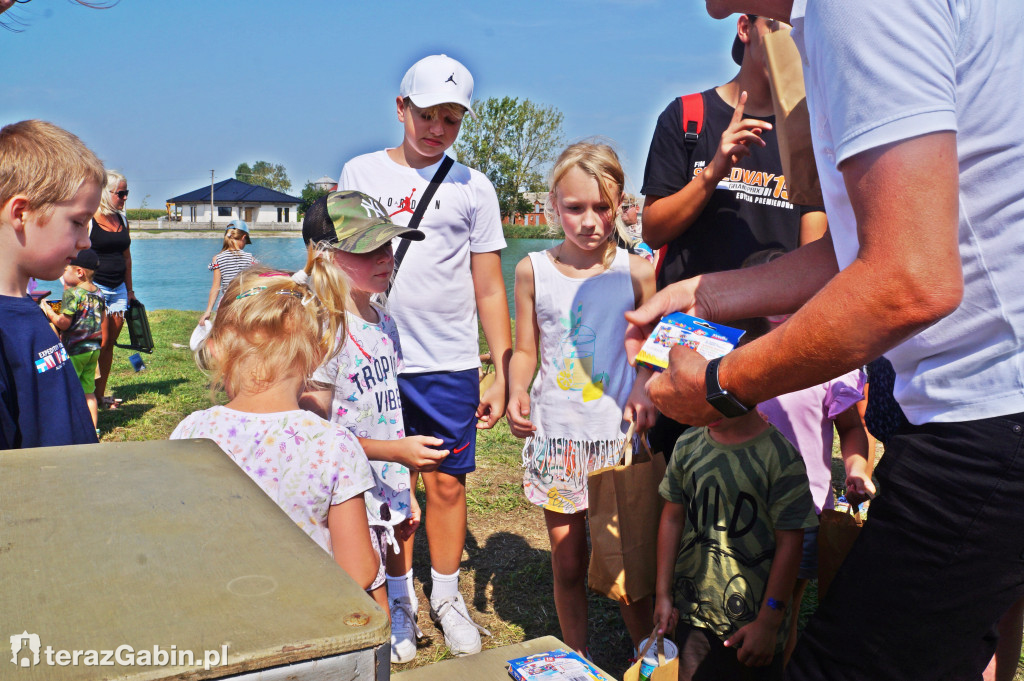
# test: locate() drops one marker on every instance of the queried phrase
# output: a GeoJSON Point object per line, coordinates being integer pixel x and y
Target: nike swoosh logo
{"type": "Point", "coordinates": [459, 449]}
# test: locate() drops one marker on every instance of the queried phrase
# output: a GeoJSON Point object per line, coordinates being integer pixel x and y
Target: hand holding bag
{"type": "Point", "coordinates": [624, 511]}
{"type": "Point", "coordinates": [837, 531]}
{"type": "Point", "coordinates": [667, 670]}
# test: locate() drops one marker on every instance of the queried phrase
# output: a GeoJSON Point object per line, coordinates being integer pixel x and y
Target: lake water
{"type": "Point", "coordinates": [171, 274]}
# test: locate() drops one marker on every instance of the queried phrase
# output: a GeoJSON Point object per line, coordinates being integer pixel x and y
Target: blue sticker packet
{"type": "Point", "coordinates": [554, 665]}
{"type": "Point", "coordinates": [707, 338]}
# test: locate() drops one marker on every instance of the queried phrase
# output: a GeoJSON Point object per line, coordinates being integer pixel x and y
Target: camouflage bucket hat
{"type": "Point", "coordinates": [353, 222]}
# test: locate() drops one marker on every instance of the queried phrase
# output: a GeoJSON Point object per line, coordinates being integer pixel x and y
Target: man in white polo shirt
{"type": "Point", "coordinates": [916, 113]}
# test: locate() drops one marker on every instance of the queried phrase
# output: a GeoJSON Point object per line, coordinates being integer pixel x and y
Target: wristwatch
{"type": "Point", "coordinates": [718, 397]}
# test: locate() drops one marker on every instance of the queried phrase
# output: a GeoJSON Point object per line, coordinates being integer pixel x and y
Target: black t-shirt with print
{"type": "Point", "coordinates": [748, 212]}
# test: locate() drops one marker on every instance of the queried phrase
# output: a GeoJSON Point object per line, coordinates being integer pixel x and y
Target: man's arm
{"type": "Point", "coordinates": [775, 288]}
{"type": "Point", "coordinates": [668, 217]}
{"type": "Point", "coordinates": [492, 306]}
{"type": "Point", "coordinates": [906, 276]}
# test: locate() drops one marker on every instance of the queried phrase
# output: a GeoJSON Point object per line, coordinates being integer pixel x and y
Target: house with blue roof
{"type": "Point", "coordinates": [235, 199]}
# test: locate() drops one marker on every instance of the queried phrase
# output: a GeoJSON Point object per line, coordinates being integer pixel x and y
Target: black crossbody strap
{"type": "Point", "coordinates": [421, 208]}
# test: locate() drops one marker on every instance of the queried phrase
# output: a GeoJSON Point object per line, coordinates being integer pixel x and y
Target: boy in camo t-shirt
{"type": "Point", "coordinates": [80, 321]}
{"type": "Point", "coordinates": [730, 542]}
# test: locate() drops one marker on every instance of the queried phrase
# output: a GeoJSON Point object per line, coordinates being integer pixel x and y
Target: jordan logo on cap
{"type": "Point", "coordinates": [451, 79]}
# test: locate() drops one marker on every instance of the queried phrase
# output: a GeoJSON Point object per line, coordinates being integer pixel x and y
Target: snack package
{"type": "Point", "coordinates": [707, 338]}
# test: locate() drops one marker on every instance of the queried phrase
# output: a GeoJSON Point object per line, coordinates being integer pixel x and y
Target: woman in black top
{"type": "Point", "coordinates": [112, 243]}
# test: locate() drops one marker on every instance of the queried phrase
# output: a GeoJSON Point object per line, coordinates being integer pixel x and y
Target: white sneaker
{"type": "Point", "coordinates": [404, 631]}
{"type": "Point", "coordinates": [461, 633]}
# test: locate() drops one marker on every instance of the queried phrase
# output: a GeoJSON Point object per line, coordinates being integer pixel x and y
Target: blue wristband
{"type": "Point", "coordinates": [776, 605]}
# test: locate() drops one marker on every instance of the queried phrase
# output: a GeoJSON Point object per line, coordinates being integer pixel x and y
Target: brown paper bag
{"type": "Point", "coordinates": [667, 670]}
{"type": "Point", "coordinates": [836, 533]}
{"type": "Point", "coordinates": [624, 511]}
{"type": "Point", "coordinates": [792, 122]}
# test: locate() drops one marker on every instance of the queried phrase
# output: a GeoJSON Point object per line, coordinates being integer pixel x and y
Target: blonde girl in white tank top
{"type": "Point", "coordinates": [570, 301]}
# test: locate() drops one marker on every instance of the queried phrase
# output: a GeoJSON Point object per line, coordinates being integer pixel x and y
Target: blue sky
{"type": "Point", "coordinates": [166, 90]}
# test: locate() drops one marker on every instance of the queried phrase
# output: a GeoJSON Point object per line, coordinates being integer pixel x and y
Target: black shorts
{"type": "Point", "coordinates": [940, 559]}
{"type": "Point", "coordinates": [703, 657]}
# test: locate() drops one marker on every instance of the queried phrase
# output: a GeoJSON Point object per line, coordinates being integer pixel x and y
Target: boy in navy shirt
{"type": "Point", "coordinates": [49, 189]}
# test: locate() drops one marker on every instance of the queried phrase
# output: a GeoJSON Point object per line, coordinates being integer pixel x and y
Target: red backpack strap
{"type": "Point", "coordinates": [691, 110]}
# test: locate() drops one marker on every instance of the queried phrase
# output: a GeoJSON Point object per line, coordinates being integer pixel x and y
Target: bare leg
{"type": "Point", "coordinates": [568, 536]}
{"type": "Point", "coordinates": [798, 596]}
{"type": "Point", "coordinates": [1004, 663]}
{"type": "Point", "coordinates": [90, 400]}
{"type": "Point", "coordinates": [445, 519]}
{"type": "Point", "coordinates": [112, 324]}
{"type": "Point", "coordinates": [398, 565]}
{"type": "Point", "coordinates": [639, 618]}
{"type": "Point", "coordinates": [380, 597]}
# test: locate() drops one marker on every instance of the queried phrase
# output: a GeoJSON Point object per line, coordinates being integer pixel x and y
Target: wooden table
{"type": "Point", "coordinates": [169, 544]}
{"type": "Point", "coordinates": [488, 665]}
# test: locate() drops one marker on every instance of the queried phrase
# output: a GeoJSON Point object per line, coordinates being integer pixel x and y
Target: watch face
{"type": "Point", "coordinates": [718, 398]}
{"type": "Point", "coordinates": [728, 405]}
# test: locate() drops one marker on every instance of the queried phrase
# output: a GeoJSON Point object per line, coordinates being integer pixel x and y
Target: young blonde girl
{"type": "Point", "coordinates": [271, 331]}
{"type": "Point", "coordinates": [570, 302]}
{"type": "Point", "coordinates": [358, 389]}
{"type": "Point", "coordinates": [226, 265]}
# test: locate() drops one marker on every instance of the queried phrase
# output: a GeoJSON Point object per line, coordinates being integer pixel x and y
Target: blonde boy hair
{"type": "Point", "coordinates": [229, 239]}
{"type": "Point", "coordinates": [114, 178]}
{"type": "Point", "coordinates": [433, 112]}
{"type": "Point", "coordinates": [602, 163]}
{"type": "Point", "coordinates": [269, 325]}
{"type": "Point", "coordinates": [45, 163]}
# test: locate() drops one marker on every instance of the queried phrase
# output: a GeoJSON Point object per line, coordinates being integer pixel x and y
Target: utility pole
{"type": "Point", "coordinates": [211, 199]}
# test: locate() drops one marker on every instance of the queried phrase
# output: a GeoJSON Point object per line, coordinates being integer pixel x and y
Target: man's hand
{"type": "Point", "coordinates": [679, 392]}
{"type": "Point", "coordinates": [678, 297]}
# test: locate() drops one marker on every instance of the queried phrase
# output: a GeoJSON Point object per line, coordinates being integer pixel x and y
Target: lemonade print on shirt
{"type": "Point", "coordinates": [575, 364]}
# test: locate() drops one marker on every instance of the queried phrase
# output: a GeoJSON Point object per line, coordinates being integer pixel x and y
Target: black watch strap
{"type": "Point", "coordinates": [718, 397]}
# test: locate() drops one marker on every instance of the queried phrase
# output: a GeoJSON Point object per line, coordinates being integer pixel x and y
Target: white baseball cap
{"type": "Point", "coordinates": [438, 79]}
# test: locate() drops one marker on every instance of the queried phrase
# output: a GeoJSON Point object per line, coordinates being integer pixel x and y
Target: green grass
{"type": "Point", "coordinates": [157, 398]}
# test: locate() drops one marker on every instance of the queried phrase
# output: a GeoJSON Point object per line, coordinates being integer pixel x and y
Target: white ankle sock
{"type": "Point", "coordinates": [401, 586]}
{"type": "Point", "coordinates": [443, 586]}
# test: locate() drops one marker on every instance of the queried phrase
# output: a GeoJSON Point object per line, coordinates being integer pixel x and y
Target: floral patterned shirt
{"type": "Point", "coordinates": [304, 463]}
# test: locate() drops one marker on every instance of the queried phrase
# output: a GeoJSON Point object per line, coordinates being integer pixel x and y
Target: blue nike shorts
{"type": "Point", "coordinates": [443, 404]}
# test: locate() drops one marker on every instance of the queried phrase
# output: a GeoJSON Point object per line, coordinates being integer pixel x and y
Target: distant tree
{"type": "Point", "coordinates": [264, 174]}
{"type": "Point", "coordinates": [310, 193]}
{"type": "Point", "coordinates": [510, 142]}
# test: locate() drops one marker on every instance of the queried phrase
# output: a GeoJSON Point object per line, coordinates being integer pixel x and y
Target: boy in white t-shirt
{"type": "Point", "coordinates": [438, 290]}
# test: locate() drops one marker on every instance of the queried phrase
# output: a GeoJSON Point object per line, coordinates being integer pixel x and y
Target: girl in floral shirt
{"type": "Point", "coordinates": [271, 331]}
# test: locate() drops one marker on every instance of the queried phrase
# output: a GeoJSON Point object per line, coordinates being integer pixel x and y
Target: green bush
{"type": "Point", "coordinates": [145, 213]}
{"type": "Point", "coordinates": [528, 231]}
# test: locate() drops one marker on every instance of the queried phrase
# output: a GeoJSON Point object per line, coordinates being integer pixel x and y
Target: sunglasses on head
{"type": "Point", "coordinates": [123, 194]}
